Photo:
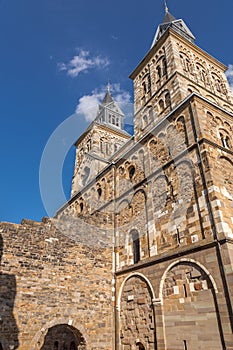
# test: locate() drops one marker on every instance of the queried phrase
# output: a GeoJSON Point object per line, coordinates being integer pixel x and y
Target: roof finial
{"type": "Point", "coordinates": [109, 86]}
{"type": "Point", "coordinates": [165, 5]}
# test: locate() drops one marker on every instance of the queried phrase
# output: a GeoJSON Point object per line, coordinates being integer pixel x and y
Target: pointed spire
{"type": "Point", "coordinates": [176, 24]}
{"type": "Point", "coordinates": [109, 85]}
{"type": "Point", "coordinates": [168, 16]}
{"type": "Point", "coordinates": [108, 96]}
{"type": "Point", "coordinates": [166, 7]}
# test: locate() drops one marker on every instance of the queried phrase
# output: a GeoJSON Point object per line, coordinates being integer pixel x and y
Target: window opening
{"type": "Point", "coordinates": [55, 346]}
{"type": "Point", "coordinates": [161, 105]}
{"type": "Point", "coordinates": [140, 346]}
{"type": "Point", "coordinates": [167, 99]}
{"type": "Point", "coordinates": [159, 72]}
{"type": "Point", "coordinates": [86, 175]}
{"type": "Point", "coordinates": [144, 87]}
{"type": "Point", "coordinates": [136, 247]}
{"type": "Point", "coordinates": [99, 191]}
{"type": "Point", "coordinates": [164, 66]}
{"type": "Point", "coordinates": [131, 172]}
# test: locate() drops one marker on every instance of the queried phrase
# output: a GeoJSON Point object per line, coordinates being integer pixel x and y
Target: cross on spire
{"type": "Point", "coordinates": [166, 7]}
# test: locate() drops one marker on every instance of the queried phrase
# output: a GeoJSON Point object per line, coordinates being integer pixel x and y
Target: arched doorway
{"type": "Point", "coordinates": [136, 317]}
{"type": "Point", "coordinates": [63, 337]}
{"type": "Point", "coordinates": [191, 315]}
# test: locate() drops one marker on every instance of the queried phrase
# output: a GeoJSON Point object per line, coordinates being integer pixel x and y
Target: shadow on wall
{"type": "Point", "coordinates": [8, 326]}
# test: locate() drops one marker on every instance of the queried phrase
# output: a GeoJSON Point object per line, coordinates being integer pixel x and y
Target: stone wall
{"type": "Point", "coordinates": [49, 279]}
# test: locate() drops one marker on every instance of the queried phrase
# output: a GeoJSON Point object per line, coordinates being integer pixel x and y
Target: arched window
{"type": "Point", "coordinates": [144, 87]}
{"type": "Point", "coordinates": [131, 171]}
{"type": "Point", "coordinates": [149, 82]}
{"type": "Point", "coordinates": [140, 346]}
{"type": "Point", "coordinates": [88, 145]}
{"type": "Point", "coordinates": [113, 120]}
{"type": "Point", "coordinates": [159, 72]}
{"type": "Point", "coordinates": [145, 120]}
{"type": "Point", "coordinates": [99, 192]}
{"type": "Point", "coordinates": [151, 115]}
{"type": "Point", "coordinates": [161, 105]}
{"type": "Point", "coordinates": [136, 246]}
{"type": "Point", "coordinates": [101, 146]}
{"type": "Point", "coordinates": [81, 207]}
{"type": "Point", "coordinates": [225, 139]}
{"type": "Point", "coordinates": [164, 64]}
{"type": "Point", "coordinates": [168, 100]}
{"type": "Point", "coordinates": [187, 65]}
{"type": "Point", "coordinates": [86, 175]}
{"type": "Point", "coordinates": [218, 85]}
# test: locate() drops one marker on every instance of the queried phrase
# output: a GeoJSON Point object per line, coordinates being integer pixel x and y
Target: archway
{"type": "Point", "coordinates": [136, 314]}
{"type": "Point", "coordinates": [190, 309]}
{"type": "Point", "coordinates": [63, 337]}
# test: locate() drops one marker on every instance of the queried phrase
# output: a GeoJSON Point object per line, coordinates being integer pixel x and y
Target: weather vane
{"type": "Point", "coordinates": [165, 5]}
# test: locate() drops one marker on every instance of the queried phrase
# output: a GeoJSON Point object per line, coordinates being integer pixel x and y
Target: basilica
{"type": "Point", "coordinates": [141, 256]}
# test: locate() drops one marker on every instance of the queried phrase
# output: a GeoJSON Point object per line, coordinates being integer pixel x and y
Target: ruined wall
{"type": "Point", "coordinates": [53, 279]}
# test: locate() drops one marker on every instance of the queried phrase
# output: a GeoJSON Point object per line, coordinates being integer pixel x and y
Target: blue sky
{"type": "Point", "coordinates": [55, 54]}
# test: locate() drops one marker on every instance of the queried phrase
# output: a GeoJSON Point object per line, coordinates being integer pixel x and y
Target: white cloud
{"type": "Point", "coordinates": [82, 63]}
{"type": "Point", "coordinates": [88, 104]}
{"type": "Point", "coordinates": [229, 75]}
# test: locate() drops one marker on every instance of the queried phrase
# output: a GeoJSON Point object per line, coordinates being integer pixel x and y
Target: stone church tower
{"type": "Point", "coordinates": [141, 256]}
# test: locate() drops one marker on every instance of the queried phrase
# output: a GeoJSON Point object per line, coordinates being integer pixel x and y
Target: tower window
{"type": "Point", "coordinates": [99, 191]}
{"type": "Point", "coordinates": [131, 172]}
{"type": "Point", "coordinates": [164, 62]}
{"type": "Point", "coordinates": [225, 139]}
{"type": "Point", "coordinates": [167, 100]}
{"type": "Point", "coordinates": [136, 246]}
{"type": "Point", "coordinates": [101, 146]}
{"type": "Point", "coordinates": [161, 105]}
{"type": "Point", "coordinates": [151, 115]}
{"type": "Point", "coordinates": [159, 72]}
{"type": "Point", "coordinates": [144, 87]}
{"type": "Point", "coordinates": [145, 120]}
{"type": "Point", "coordinates": [86, 175]}
{"type": "Point", "coordinates": [81, 207]}
{"type": "Point", "coordinates": [88, 145]}
{"type": "Point", "coordinates": [149, 82]}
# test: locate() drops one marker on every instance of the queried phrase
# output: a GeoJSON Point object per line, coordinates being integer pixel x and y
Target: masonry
{"type": "Point", "coordinates": [141, 256]}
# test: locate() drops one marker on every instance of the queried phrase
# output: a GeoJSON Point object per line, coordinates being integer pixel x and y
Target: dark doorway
{"type": "Point", "coordinates": [63, 337]}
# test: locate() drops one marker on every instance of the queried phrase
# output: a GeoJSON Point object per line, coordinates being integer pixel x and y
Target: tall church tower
{"type": "Point", "coordinates": [173, 69]}
{"type": "Point", "coordinates": [104, 137]}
